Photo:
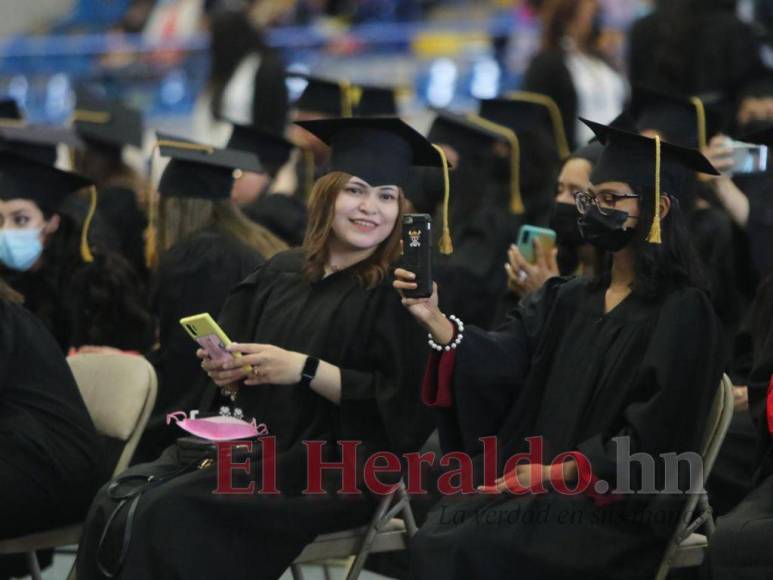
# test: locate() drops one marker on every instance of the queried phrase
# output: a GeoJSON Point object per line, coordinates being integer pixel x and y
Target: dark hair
{"type": "Point", "coordinates": [371, 271]}
{"type": "Point", "coordinates": [104, 165]}
{"type": "Point", "coordinates": [660, 268]}
{"type": "Point", "coordinates": [108, 305]}
{"type": "Point", "coordinates": [557, 15]}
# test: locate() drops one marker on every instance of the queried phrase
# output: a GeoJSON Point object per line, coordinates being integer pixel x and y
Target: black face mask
{"type": "Point", "coordinates": [563, 220]}
{"type": "Point", "coordinates": [605, 231]}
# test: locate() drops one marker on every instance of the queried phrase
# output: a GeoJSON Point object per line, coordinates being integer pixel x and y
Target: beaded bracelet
{"type": "Point", "coordinates": [459, 335]}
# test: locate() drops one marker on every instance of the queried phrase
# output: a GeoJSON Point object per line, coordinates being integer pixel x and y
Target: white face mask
{"type": "Point", "coordinates": [20, 249]}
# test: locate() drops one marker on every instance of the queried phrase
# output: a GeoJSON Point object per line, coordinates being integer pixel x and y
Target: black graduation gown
{"type": "Point", "coordinates": [562, 369]}
{"type": "Point", "coordinates": [121, 212]}
{"type": "Point", "coordinates": [50, 454]}
{"type": "Point", "coordinates": [285, 216]}
{"type": "Point", "coordinates": [194, 276]}
{"type": "Point", "coordinates": [381, 353]}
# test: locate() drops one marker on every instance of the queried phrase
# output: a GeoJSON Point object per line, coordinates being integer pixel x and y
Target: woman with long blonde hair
{"type": "Point", "coordinates": [205, 246]}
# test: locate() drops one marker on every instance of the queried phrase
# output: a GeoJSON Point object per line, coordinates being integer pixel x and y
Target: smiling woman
{"type": "Point", "coordinates": [333, 357]}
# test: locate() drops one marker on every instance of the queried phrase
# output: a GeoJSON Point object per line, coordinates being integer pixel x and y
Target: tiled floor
{"type": "Point", "coordinates": [63, 562]}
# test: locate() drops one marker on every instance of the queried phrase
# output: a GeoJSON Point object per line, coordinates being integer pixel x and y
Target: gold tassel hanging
{"type": "Point", "coordinates": [86, 254]}
{"type": "Point", "coordinates": [555, 117]}
{"type": "Point", "coordinates": [654, 235]}
{"type": "Point", "coordinates": [446, 246]}
{"type": "Point", "coordinates": [151, 232]}
{"type": "Point", "coordinates": [700, 112]}
{"type": "Point", "coordinates": [516, 200]}
{"type": "Point", "coordinates": [346, 98]}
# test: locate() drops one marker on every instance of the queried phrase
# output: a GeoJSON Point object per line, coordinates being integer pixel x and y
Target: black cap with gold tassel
{"type": "Point", "coordinates": [380, 151]}
{"type": "Point", "coordinates": [650, 166]}
{"type": "Point", "coordinates": [24, 178]}
{"type": "Point", "coordinates": [516, 199]}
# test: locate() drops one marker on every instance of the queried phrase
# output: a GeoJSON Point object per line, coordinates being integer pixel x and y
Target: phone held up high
{"type": "Point", "coordinates": [417, 252]}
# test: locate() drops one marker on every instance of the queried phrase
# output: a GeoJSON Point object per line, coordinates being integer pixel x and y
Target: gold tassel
{"type": "Point", "coordinates": [446, 245]}
{"type": "Point", "coordinates": [86, 254]}
{"type": "Point", "coordinates": [84, 116]}
{"type": "Point", "coordinates": [516, 200]}
{"type": "Point", "coordinates": [151, 232]}
{"type": "Point", "coordinates": [654, 235]}
{"type": "Point", "coordinates": [700, 111]}
{"type": "Point", "coordinates": [555, 117]}
{"type": "Point", "coordinates": [346, 98]}
{"type": "Point", "coordinates": [14, 123]}
{"type": "Point", "coordinates": [208, 149]}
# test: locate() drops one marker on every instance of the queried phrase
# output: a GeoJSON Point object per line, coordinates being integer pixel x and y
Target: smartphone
{"type": "Point", "coordinates": [417, 252]}
{"type": "Point", "coordinates": [210, 337]}
{"type": "Point", "coordinates": [749, 158]}
{"type": "Point", "coordinates": [526, 236]}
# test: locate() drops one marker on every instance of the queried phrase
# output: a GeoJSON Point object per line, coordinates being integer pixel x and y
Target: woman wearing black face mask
{"type": "Point", "coordinates": [572, 255]}
{"type": "Point", "coordinates": [594, 370]}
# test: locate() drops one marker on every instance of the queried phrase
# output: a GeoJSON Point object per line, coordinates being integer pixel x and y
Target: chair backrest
{"type": "Point", "coordinates": [119, 391]}
{"type": "Point", "coordinates": [718, 422]}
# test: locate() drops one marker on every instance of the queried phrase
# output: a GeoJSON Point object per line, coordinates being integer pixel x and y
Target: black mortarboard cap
{"type": "Point", "coordinates": [25, 178]}
{"type": "Point", "coordinates": [272, 150]}
{"type": "Point", "coordinates": [328, 97]}
{"type": "Point", "coordinates": [106, 121]}
{"type": "Point", "coordinates": [469, 138]}
{"type": "Point", "coordinates": [201, 171]}
{"type": "Point", "coordinates": [527, 112]}
{"type": "Point", "coordinates": [37, 142]}
{"type": "Point", "coordinates": [9, 109]}
{"type": "Point", "coordinates": [372, 101]}
{"type": "Point", "coordinates": [379, 150]}
{"type": "Point", "coordinates": [683, 121]}
{"type": "Point", "coordinates": [648, 165]}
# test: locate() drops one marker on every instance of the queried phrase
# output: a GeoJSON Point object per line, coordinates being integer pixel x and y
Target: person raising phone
{"type": "Point", "coordinates": [583, 366]}
{"type": "Point", "coordinates": [334, 357]}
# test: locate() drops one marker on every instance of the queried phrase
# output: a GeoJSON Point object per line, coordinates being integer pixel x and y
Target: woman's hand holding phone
{"type": "Point", "coordinates": [217, 371]}
{"type": "Point", "coordinates": [425, 310]}
{"type": "Point", "coordinates": [270, 364]}
{"type": "Point", "coordinates": [524, 278]}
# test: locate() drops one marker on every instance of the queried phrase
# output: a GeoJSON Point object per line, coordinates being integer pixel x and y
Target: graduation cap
{"type": "Point", "coordinates": [684, 121]}
{"type": "Point", "coordinates": [36, 141]}
{"type": "Point", "coordinates": [591, 151]}
{"type": "Point", "coordinates": [527, 112]}
{"type": "Point", "coordinates": [329, 97]}
{"type": "Point", "coordinates": [647, 164]}
{"type": "Point", "coordinates": [272, 150]}
{"type": "Point", "coordinates": [9, 110]}
{"type": "Point", "coordinates": [201, 171]}
{"type": "Point", "coordinates": [370, 101]}
{"type": "Point", "coordinates": [24, 178]}
{"type": "Point", "coordinates": [106, 121]}
{"type": "Point", "coordinates": [381, 151]}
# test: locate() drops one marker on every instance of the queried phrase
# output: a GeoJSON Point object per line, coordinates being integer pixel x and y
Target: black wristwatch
{"type": "Point", "coordinates": [309, 371]}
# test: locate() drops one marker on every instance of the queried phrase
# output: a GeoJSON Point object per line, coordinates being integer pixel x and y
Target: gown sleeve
{"type": "Point", "coordinates": [487, 371]}
{"type": "Point", "coordinates": [672, 392]}
{"type": "Point", "coordinates": [384, 396]}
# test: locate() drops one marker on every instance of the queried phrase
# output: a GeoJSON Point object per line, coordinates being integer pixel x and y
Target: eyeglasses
{"type": "Point", "coordinates": [605, 201]}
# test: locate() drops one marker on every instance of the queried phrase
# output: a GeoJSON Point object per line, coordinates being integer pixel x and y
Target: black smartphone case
{"type": "Point", "coordinates": [417, 252]}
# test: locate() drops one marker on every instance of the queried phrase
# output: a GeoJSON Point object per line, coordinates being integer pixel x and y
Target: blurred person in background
{"type": "Point", "coordinates": [694, 47]}
{"type": "Point", "coordinates": [570, 69]}
{"type": "Point", "coordinates": [107, 127]}
{"type": "Point", "coordinates": [205, 246]}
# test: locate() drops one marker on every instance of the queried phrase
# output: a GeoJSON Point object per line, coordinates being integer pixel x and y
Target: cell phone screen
{"type": "Point", "coordinates": [214, 348]}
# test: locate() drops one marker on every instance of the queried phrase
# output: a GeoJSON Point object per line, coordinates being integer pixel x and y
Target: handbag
{"type": "Point", "coordinates": [193, 452]}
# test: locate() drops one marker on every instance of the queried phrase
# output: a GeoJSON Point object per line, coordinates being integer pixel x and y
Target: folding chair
{"type": "Point", "coordinates": [686, 549]}
{"type": "Point", "coordinates": [385, 533]}
{"type": "Point", "coordinates": [119, 392]}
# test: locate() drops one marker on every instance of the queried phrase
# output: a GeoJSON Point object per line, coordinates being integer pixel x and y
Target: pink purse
{"type": "Point", "coordinates": [218, 428]}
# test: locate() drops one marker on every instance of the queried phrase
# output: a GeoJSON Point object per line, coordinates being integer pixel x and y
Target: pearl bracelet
{"type": "Point", "coordinates": [455, 342]}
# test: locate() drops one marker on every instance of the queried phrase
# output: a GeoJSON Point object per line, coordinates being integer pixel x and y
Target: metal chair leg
{"type": "Point", "coordinates": [32, 562]}
{"type": "Point", "coordinates": [296, 571]}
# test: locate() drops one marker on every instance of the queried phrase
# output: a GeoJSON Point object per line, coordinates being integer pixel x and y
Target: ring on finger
{"type": "Point", "coordinates": [522, 275]}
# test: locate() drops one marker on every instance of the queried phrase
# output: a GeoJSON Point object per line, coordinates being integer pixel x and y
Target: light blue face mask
{"type": "Point", "coordinates": [20, 249]}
